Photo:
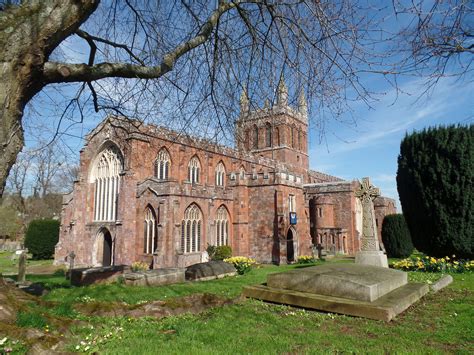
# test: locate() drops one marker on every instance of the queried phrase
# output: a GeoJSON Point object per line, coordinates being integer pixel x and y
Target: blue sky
{"type": "Point", "coordinates": [371, 148]}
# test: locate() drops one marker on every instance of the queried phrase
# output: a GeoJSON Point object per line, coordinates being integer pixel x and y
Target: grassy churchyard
{"type": "Point", "coordinates": [104, 319]}
{"type": "Point", "coordinates": [9, 264]}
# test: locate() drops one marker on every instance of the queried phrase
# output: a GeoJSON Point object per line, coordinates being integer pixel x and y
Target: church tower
{"type": "Point", "coordinates": [278, 132]}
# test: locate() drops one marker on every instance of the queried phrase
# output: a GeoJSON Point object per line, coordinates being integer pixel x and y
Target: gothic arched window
{"type": "Point", "coordinates": [268, 135]}
{"type": "Point", "coordinates": [292, 137]}
{"type": "Point", "coordinates": [255, 137]}
{"type": "Point", "coordinates": [220, 174]}
{"type": "Point", "coordinates": [150, 234]}
{"type": "Point", "coordinates": [191, 229]}
{"type": "Point", "coordinates": [162, 165]}
{"type": "Point", "coordinates": [299, 139]}
{"type": "Point", "coordinates": [222, 226]}
{"type": "Point", "coordinates": [194, 168]}
{"type": "Point", "coordinates": [106, 177]}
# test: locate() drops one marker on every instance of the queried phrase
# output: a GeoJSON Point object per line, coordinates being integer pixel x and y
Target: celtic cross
{"type": "Point", "coordinates": [367, 193]}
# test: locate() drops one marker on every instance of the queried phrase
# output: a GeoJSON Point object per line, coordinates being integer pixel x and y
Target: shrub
{"type": "Point", "coordinates": [241, 263]}
{"type": "Point", "coordinates": [223, 252]}
{"type": "Point", "coordinates": [396, 236]}
{"type": "Point", "coordinates": [219, 253]}
{"type": "Point", "coordinates": [434, 180]}
{"type": "Point", "coordinates": [305, 259]}
{"type": "Point", "coordinates": [430, 264]}
{"type": "Point", "coordinates": [41, 238]}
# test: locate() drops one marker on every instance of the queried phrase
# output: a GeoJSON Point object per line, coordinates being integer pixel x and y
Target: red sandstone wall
{"type": "Point", "coordinates": [383, 206]}
{"type": "Point", "coordinates": [257, 203]}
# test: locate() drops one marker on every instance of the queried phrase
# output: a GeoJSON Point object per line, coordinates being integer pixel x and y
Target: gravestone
{"type": "Point", "coordinates": [71, 257]}
{"type": "Point", "coordinates": [370, 253]}
{"type": "Point", "coordinates": [358, 290]}
{"type": "Point", "coordinates": [22, 267]}
{"type": "Point", "coordinates": [211, 270]}
{"type": "Point", "coordinates": [155, 277]}
{"type": "Point", "coordinates": [96, 275]}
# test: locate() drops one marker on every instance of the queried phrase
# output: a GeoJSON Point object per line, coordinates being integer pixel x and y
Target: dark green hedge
{"type": "Point", "coordinates": [396, 236]}
{"type": "Point", "coordinates": [434, 180]}
{"type": "Point", "coordinates": [41, 238]}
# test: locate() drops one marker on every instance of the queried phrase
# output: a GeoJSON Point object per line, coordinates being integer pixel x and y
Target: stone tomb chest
{"type": "Point", "coordinates": [353, 289]}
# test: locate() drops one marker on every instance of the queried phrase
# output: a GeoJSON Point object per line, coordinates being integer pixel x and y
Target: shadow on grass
{"type": "Point", "coordinates": [50, 282]}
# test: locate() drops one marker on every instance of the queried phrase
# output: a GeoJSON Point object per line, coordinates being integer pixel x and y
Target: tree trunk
{"type": "Point", "coordinates": [28, 34]}
{"type": "Point", "coordinates": [11, 131]}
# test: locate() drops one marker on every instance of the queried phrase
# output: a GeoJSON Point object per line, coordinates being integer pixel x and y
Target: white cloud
{"type": "Point", "coordinates": [391, 118]}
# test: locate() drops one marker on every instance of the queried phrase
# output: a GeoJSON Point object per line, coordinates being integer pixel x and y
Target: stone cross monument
{"type": "Point", "coordinates": [370, 253]}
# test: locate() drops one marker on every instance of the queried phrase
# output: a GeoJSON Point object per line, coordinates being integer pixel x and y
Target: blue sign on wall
{"type": "Point", "coordinates": [292, 217]}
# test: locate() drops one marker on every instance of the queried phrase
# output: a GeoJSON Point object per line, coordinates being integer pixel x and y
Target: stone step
{"type": "Point", "coordinates": [384, 308]}
{"type": "Point", "coordinates": [352, 281]}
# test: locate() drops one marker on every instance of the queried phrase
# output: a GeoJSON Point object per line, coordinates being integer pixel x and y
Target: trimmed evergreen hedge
{"type": "Point", "coordinates": [434, 180]}
{"type": "Point", "coordinates": [41, 238]}
{"type": "Point", "coordinates": [396, 236]}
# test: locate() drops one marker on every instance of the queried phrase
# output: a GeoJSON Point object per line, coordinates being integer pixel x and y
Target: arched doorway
{"type": "Point", "coordinates": [290, 246]}
{"type": "Point", "coordinates": [107, 254]}
{"type": "Point", "coordinates": [103, 249]}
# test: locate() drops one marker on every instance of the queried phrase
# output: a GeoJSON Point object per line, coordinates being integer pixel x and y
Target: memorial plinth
{"type": "Point", "coordinates": [358, 290]}
{"type": "Point", "coordinates": [358, 282]}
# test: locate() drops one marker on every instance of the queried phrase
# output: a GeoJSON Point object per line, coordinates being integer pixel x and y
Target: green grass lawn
{"type": "Point", "coordinates": [9, 265]}
{"type": "Point", "coordinates": [439, 323]}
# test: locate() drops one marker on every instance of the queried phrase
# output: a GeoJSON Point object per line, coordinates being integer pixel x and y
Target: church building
{"type": "Point", "coordinates": [146, 193]}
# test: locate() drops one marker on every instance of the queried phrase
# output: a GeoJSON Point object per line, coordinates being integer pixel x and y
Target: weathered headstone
{"type": "Point", "coordinates": [210, 270]}
{"type": "Point", "coordinates": [71, 258]}
{"type": "Point", "coordinates": [22, 267]}
{"type": "Point", "coordinates": [370, 253]}
{"type": "Point", "coordinates": [155, 277]}
{"type": "Point", "coordinates": [317, 251]}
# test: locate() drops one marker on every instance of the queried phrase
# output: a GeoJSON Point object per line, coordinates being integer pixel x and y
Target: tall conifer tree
{"type": "Point", "coordinates": [434, 180]}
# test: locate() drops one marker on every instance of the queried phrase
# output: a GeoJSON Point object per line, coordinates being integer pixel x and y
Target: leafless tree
{"type": "Point", "coordinates": [17, 182]}
{"type": "Point", "coordinates": [185, 59]}
{"type": "Point", "coordinates": [192, 58]}
{"type": "Point", "coordinates": [48, 165]}
{"type": "Point", "coordinates": [436, 38]}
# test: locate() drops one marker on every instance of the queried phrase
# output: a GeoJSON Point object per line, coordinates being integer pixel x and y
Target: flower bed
{"type": "Point", "coordinates": [430, 264]}
{"type": "Point", "coordinates": [305, 259]}
{"type": "Point", "coordinates": [241, 263]}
